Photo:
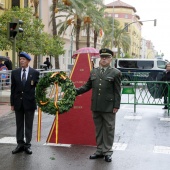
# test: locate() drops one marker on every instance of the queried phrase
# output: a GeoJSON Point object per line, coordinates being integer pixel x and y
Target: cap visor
{"type": "Point", "coordinates": [105, 54]}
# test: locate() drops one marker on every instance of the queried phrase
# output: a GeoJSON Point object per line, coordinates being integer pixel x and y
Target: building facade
{"type": "Point", "coordinates": [129, 20]}
{"type": "Point", "coordinates": [126, 15]}
{"type": "Point", "coordinates": [45, 14]}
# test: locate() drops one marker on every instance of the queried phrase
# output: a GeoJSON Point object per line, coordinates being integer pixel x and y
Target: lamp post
{"type": "Point", "coordinates": [40, 16]}
{"type": "Point", "coordinates": [112, 42]}
{"type": "Point", "coordinates": [155, 22]}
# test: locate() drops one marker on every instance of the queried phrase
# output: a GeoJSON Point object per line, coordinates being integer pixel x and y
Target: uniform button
{"type": "Point", "coordinates": [22, 92]}
{"type": "Point", "coordinates": [99, 89]}
{"type": "Point", "coordinates": [21, 98]}
{"type": "Point", "coordinates": [100, 84]}
{"type": "Point", "coordinates": [100, 79]}
{"type": "Point", "coordinates": [99, 94]}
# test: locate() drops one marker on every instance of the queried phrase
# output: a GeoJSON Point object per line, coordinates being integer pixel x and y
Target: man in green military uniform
{"type": "Point", "coordinates": [105, 83]}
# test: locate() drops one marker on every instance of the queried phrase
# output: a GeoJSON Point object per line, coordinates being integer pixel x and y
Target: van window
{"type": "Point", "coordinates": [145, 64]}
{"type": "Point", "coordinates": [161, 64]}
{"type": "Point", "coordinates": [136, 64]}
{"type": "Point", "coordinates": [127, 64]}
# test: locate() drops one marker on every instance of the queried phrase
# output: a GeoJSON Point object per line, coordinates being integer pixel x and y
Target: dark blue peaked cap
{"type": "Point", "coordinates": [24, 54]}
{"type": "Point", "coordinates": [106, 51]}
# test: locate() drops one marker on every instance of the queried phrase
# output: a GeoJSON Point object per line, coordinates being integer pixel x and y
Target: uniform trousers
{"type": "Point", "coordinates": [105, 129]}
{"type": "Point", "coordinates": [24, 125]}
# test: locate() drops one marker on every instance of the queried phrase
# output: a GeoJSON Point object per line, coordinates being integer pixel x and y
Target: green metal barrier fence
{"type": "Point", "coordinates": [146, 93]}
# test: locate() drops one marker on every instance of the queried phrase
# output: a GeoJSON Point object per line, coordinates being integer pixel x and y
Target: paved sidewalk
{"type": "Point", "coordinates": [5, 107]}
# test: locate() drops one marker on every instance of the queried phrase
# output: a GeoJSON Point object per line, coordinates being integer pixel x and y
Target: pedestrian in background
{"type": "Point", "coordinates": [105, 83]}
{"type": "Point", "coordinates": [8, 63]}
{"type": "Point", "coordinates": [166, 77]}
{"type": "Point", "coordinates": [1, 63]}
{"type": "Point", "coordinates": [47, 62]}
{"type": "Point", "coordinates": [24, 80]}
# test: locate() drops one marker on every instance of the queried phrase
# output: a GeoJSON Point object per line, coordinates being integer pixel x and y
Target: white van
{"type": "Point", "coordinates": [139, 69]}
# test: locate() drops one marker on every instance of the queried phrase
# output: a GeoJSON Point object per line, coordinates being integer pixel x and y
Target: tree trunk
{"type": "Point", "coordinates": [95, 38]}
{"type": "Point", "coordinates": [57, 66]}
{"type": "Point", "coordinates": [53, 17]}
{"type": "Point", "coordinates": [35, 62]}
{"type": "Point", "coordinates": [88, 35]}
{"type": "Point", "coordinates": [78, 32]}
{"type": "Point", "coordinates": [36, 3]}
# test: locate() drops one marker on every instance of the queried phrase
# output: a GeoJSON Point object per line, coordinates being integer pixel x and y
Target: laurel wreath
{"type": "Point", "coordinates": [51, 105]}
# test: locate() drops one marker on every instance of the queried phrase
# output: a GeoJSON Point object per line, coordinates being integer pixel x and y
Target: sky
{"type": "Point", "coordinates": [150, 10]}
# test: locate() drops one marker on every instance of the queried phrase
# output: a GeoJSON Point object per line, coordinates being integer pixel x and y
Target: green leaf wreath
{"type": "Point", "coordinates": [48, 105]}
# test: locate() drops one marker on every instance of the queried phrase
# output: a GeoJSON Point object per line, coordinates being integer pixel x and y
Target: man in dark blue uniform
{"type": "Point", "coordinates": [23, 83]}
{"type": "Point", "coordinates": [105, 83]}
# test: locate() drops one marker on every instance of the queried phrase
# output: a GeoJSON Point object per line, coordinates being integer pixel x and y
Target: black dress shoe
{"type": "Point", "coordinates": [18, 149]}
{"type": "Point", "coordinates": [108, 158]}
{"type": "Point", "coordinates": [28, 150]}
{"type": "Point", "coordinates": [94, 156]}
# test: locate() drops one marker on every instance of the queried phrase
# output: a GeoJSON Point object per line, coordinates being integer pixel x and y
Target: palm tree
{"type": "Point", "coordinates": [35, 4]}
{"type": "Point", "coordinates": [122, 40]}
{"type": "Point", "coordinates": [98, 27]}
{"type": "Point", "coordinates": [94, 21]}
{"type": "Point", "coordinates": [54, 28]}
{"type": "Point", "coordinates": [75, 13]}
{"type": "Point", "coordinates": [121, 37]}
{"type": "Point", "coordinates": [108, 39]}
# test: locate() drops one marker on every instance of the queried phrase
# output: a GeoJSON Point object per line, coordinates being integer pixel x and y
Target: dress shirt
{"type": "Point", "coordinates": [26, 72]}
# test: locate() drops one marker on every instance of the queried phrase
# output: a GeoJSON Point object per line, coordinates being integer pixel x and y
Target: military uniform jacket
{"type": "Point", "coordinates": [106, 89]}
{"type": "Point", "coordinates": [24, 95]}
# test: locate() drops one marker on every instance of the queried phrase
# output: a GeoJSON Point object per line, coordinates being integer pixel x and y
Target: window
{"type": "Point", "coordinates": [126, 15]}
{"type": "Point", "coordinates": [116, 15]}
{"type": "Point", "coordinates": [25, 3]}
{"type": "Point", "coordinates": [145, 64]}
{"type": "Point", "coordinates": [16, 3]}
{"type": "Point", "coordinates": [127, 64]}
{"type": "Point", "coordinates": [136, 64]}
{"type": "Point", "coordinates": [161, 64]}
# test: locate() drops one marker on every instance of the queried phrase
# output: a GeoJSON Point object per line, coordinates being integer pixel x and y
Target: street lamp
{"type": "Point", "coordinates": [40, 57]}
{"type": "Point", "coordinates": [155, 22]}
{"type": "Point", "coordinates": [112, 42]}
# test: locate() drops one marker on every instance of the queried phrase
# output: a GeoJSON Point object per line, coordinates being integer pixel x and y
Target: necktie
{"type": "Point", "coordinates": [102, 71]}
{"type": "Point", "coordinates": [23, 77]}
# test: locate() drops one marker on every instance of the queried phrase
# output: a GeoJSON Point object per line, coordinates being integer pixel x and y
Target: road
{"type": "Point", "coordinates": [142, 142]}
